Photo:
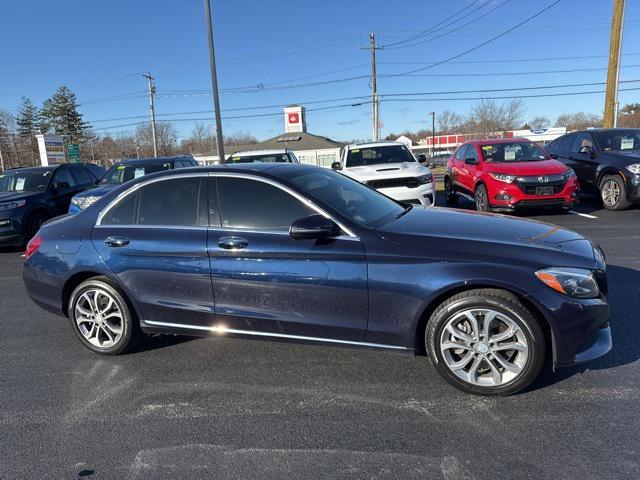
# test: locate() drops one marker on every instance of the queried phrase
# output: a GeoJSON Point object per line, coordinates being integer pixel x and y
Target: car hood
{"type": "Point", "coordinates": [98, 191]}
{"type": "Point", "coordinates": [539, 167]}
{"type": "Point", "coordinates": [490, 237]}
{"type": "Point", "coordinates": [12, 196]}
{"type": "Point", "coordinates": [391, 170]}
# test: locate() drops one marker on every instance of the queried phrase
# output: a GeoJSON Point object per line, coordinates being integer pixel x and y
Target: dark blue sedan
{"type": "Point", "coordinates": [305, 253]}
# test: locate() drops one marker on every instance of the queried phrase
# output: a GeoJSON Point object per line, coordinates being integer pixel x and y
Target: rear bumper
{"type": "Point", "coordinates": [579, 327]}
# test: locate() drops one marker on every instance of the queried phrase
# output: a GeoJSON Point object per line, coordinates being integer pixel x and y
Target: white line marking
{"type": "Point", "coordinates": [582, 214]}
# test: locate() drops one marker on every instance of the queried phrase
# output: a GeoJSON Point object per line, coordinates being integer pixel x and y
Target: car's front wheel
{"type": "Point", "coordinates": [485, 342]}
{"type": "Point", "coordinates": [101, 317]}
{"type": "Point", "coordinates": [481, 198]}
{"type": "Point", "coordinates": [450, 195]}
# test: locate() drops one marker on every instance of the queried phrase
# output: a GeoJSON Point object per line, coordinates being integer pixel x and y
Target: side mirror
{"type": "Point", "coordinates": [336, 166]}
{"type": "Point", "coordinates": [471, 161]}
{"type": "Point", "coordinates": [432, 163]}
{"type": "Point", "coordinates": [587, 150]}
{"type": "Point", "coordinates": [313, 227]}
{"type": "Point", "coordinates": [554, 156]}
{"type": "Point", "coordinates": [422, 158]}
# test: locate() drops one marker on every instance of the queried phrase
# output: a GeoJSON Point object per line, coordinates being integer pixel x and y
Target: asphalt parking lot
{"type": "Point", "coordinates": [237, 408]}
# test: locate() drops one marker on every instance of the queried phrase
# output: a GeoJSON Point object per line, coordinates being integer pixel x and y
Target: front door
{"type": "Point", "coordinates": [155, 242]}
{"type": "Point", "coordinates": [584, 162]}
{"type": "Point", "coordinates": [266, 282]}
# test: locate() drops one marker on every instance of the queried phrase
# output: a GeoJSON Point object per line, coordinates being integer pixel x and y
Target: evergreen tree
{"type": "Point", "coordinates": [27, 118]}
{"type": "Point", "coordinates": [60, 115]}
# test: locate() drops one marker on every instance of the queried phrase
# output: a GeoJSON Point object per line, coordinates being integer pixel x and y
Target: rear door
{"type": "Point", "coordinates": [155, 241]}
{"type": "Point", "coordinates": [265, 281]}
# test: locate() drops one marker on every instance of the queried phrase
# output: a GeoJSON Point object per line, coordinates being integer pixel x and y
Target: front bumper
{"type": "Point", "coordinates": [424, 195]}
{"type": "Point", "coordinates": [579, 327]}
{"type": "Point", "coordinates": [509, 197]}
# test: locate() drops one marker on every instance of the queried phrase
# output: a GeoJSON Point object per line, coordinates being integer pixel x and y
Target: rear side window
{"type": "Point", "coordinates": [177, 202]}
{"type": "Point", "coordinates": [83, 176]}
{"type": "Point", "coordinates": [254, 205]}
{"type": "Point", "coordinates": [63, 175]}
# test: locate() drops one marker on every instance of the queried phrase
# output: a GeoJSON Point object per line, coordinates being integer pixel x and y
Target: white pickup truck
{"type": "Point", "coordinates": [391, 168]}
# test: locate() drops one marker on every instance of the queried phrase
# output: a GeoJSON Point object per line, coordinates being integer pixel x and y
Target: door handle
{"type": "Point", "coordinates": [116, 241]}
{"type": "Point", "coordinates": [232, 243]}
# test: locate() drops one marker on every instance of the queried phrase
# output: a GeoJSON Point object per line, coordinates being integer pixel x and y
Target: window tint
{"type": "Point", "coordinates": [461, 152]}
{"type": "Point", "coordinates": [123, 213]}
{"type": "Point", "coordinates": [565, 143]}
{"type": "Point", "coordinates": [64, 175]}
{"type": "Point", "coordinates": [582, 139]}
{"type": "Point", "coordinates": [96, 170]}
{"type": "Point", "coordinates": [251, 204]}
{"type": "Point", "coordinates": [83, 176]}
{"type": "Point", "coordinates": [551, 147]}
{"type": "Point", "coordinates": [471, 152]}
{"type": "Point", "coordinates": [170, 202]}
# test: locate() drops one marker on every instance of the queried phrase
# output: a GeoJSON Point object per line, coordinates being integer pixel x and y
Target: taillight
{"type": "Point", "coordinates": [32, 246]}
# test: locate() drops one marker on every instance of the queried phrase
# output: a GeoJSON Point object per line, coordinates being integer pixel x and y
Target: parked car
{"type": "Point", "coordinates": [30, 196]}
{"type": "Point", "coordinates": [607, 162]}
{"type": "Point", "coordinates": [123, 172]}
{"type": "Point", "coordinates": [263, 156]}
{"type": "Point", "coordinates": [304, 253]}
{"type": "Point", "coordinates": [506, 174]}
{"type": "Point", "coordinates": [391, 168]}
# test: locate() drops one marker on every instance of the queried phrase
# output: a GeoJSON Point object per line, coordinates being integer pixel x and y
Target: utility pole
{"type": "Point", "coordinates": [152, 92]}
{"type": "Point", "coordinates": [214, 82]}
{"type": "Point", "coordinates": [1, 160]}
{"type": "Point", "coordinates": [374, 88]}
{"type": "Point", "coordinates": [613, 73]}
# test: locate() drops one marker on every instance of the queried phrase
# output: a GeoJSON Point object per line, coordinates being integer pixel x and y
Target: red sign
{"type": "Point", "coordinates": [294, 118]}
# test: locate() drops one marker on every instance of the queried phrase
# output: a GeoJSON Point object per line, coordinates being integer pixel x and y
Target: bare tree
{"type": "Point", "coordinates": [629, 116]}
{"type": "Point", "coordinates": [490, 118]}
{"type": "Point", "coordinates": [166, 136]}
{"type": "Point", "coordinates": [578, 121]}
{"type": "Point", "coordinates": [449, 122]}
{"type": "Point", "coordinates": [539, 122]}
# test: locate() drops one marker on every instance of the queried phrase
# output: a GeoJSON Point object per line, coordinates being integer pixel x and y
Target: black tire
{"type": "Point", "coordinates": [613, 193]}
{"type": "Point", "coordinates": [33, 223]}
{"type": "Point", "coordinates": [506, 304]}
{"type": "Point", "coordinates": [130, 329]}
{"type": "Point", "coordinates": [481, 198]}
{"type": "Point", "coordinates": [451, 198]}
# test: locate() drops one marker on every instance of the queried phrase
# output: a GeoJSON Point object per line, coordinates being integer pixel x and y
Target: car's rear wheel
{"type": "Point", "coordinates": [101, 317]}
{"type": "Point", "coordinates": [481, 198]}
{"type": "Point", "coordinates": [450, 196]}
{"type": "Point", "coordinates": [613, 193]}
{"type": "Point", "coordinates": [485, 342]}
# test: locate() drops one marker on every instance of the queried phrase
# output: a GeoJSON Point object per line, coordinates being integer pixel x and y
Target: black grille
{"type": "Point", "coordinates": [533, 189]}
{"type": "Point", "coordinates": [542, 202]}
{"type": "Point", "coordinates": [409, 182]}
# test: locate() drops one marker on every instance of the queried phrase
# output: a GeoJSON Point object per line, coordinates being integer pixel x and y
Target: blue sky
{"type": "Point", "coordinates": [101, 48]}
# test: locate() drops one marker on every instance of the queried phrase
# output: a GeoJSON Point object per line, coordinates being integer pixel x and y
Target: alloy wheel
{"type": "Point", "coordinates": [484, 347]}
{"type": "Point", "coordinates": [481, 199]}
{"type": "Point", "coordinates": [610, 193]}
{"type": "Point", "coordinates": [99, 318]}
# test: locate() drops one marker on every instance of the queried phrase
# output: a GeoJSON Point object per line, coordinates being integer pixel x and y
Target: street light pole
{"type": "Point", "coordinates": [214, 82]}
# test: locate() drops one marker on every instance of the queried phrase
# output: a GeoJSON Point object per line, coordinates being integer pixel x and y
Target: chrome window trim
{"type": "Point", "coordinates": [222, 330]}
{"type": "Point", "coordinates": [247, 176]}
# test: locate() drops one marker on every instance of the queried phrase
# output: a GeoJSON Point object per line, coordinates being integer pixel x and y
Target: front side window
{"type": "Point", "coordinates": [25, 180]}
{"type": "Point", "coordinates": [363, 205]}
{"type": "Point", "coordinates": [618, 140]}
{"type": "Point", "coordinates": [255, 205]}
{"type": "Point", "coordinates": [63, 176]}
{"type": "Point", "coordinates": [83, 176]}
{"type": "Point", "coordinates": [358, 157]}
{"type": "Point", "coordinates": [582, 140]}
{"type": "Point", "coordinates": [125, 172]}
{"type": "Point", "coordinates": [460, 153]}
{"type": "Point", "coordinates": [176, 202]}
{"type": "Point", "coordinates": [512, 152]}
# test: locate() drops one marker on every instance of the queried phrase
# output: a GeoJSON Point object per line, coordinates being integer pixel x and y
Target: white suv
{"type": "Point", "coordinates": [263, 156]}
{"type": "Point", "coordinates": [391, 168]}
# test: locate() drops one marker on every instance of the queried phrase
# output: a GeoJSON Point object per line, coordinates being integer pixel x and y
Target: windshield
{"type": "Point", "coordinates": [358, 157]}
{"type": "Point", "coordinates": [512, 152]}
{"type": "Point", "coordinates": [352, 199]}
{"type": "Point", "coordinates": [618, 140]}
{"type": "Point", "coordinates": [124, 173]}
{"type": "Point", "coordinates": [25, 180]}
{"type": "Point", "coordinates": [264, 158]}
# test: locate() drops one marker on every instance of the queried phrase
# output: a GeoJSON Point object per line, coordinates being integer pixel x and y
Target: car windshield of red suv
{"type": "Point", "coordinates": [512, 152]}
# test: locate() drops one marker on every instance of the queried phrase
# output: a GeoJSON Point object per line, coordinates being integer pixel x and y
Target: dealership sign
{"type": "Point", "coordinates": [51, 149]}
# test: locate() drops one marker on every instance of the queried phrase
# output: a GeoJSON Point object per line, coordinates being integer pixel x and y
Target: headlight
{"type": "Point", "coordinates": [634, 168]}
{"type": "Point", "coordinates": [428, 178]}
{"type": "Point", "coordinates": [598, 253]}
{"type": "Point", "coordinates": [575, 282]}
{"type": "Point", "coordinates": [10, 205]}
{"type": "Point", "coordinates": [503, 177]}
{"type": "Point", "coordinates": [569, 173]}
{"type": "Point", "coordinates": [84, 202]}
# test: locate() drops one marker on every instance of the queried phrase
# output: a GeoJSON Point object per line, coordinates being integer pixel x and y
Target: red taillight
{"type": "Point", "coordinates": [32, 246]}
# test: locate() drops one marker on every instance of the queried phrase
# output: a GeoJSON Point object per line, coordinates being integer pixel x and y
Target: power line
{"type": "Point", "coordinates": [513, 60]}
{"type": "Point", "coordinates": [494, 74]}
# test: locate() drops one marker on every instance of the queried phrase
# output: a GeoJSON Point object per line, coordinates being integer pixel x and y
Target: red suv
{"type": "Point", "coordinates": [505, 174]}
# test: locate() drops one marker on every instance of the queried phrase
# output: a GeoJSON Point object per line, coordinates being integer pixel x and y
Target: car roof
{"type": "Point", "coordinates": [152, 160]}
{"type": "Point", "coordinates": [606, 129]}
{"type": "Point", "coordinates": [32, 169]}
{"type": "Point", "coordinates": [373, 144]}
{"type": "Point", "coordinates": [251, 153]}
